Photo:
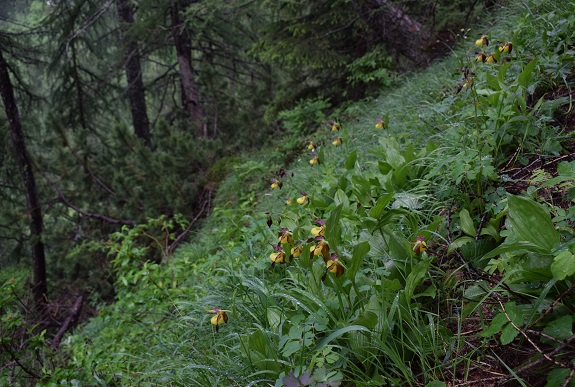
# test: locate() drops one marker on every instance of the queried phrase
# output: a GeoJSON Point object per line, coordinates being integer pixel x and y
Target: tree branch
{"type": "Point", "coordinates": [72, 317]}
{"type": "Point", "coordinates": [105, 218]}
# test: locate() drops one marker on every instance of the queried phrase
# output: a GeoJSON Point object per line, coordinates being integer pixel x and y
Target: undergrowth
{"type": "Point", "coordinates": [422, 238]}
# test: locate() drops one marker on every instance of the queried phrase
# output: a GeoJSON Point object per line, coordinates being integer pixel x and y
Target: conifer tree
{"type": "Point", "coordinates": [183, 46]}
{"type": "Point", "coordinates": [18, 144]}
{"type": "Point", "coordinates": [136, 93]}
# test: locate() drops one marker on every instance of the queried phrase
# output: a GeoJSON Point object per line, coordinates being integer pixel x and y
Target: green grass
{"type": "Point", "coordinates": [394, 317]}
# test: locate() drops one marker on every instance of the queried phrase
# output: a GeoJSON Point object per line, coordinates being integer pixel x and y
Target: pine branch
{"type": "Point", "coordinates": [105, 218]}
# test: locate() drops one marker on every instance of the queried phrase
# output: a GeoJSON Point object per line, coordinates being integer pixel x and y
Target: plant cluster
{"type": "Point", "coordinates": [431, 248]}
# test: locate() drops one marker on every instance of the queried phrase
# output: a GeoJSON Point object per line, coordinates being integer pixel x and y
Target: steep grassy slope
{"type": "Point", "coordinates": [432, 247]}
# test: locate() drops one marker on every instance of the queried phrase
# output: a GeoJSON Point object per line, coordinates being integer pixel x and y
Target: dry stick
{"type": "Point", "coordinates": [15, 359]}
{"type": "Point", "coordinates": [95, 216]}
{"type": "Point", "coordinates": [478, 232]}
{"type": "Point", "coordinates": [180, 237]}
{"type": "Point", "coordinates": [525, 334]}
{"type": "Point", "coordinates": [552, 306]}
{"type": "Point", "coordinates": [557, 159]}
{"type": "Point", "coordinates": [569, 378]}
{"type": "Point", "coordinates": [542, 359]}
{"type": "Point", "coordinates": [470, 382]}
{"type": "Point", "coordinates": [74, 312]}
{"type": "Point", "coordinates": [546, 356]}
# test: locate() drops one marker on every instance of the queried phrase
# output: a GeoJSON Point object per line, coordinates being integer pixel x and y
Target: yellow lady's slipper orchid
{"type": "Point", "coordinates": [219, 317]}
{"type": "Point", "coordinates": [315, 160]}
{"type": "Point", "coordinates": [467, 79]}
{"type": "Point", "coordinates": [296, 251]}
{"type": "Point", "coordinates": [321, 248]}
{"type": "Point", "coordinates": [285, 236]}
{"type": "Point", "coordinates": [419, 246]}
{"type": "Point", "coordinates": [506, 48]}
{"type": "Point", "coordinates": [483, 41]}
{"type": "Point", "coordinates": [335, 126]}
{"type": "Point", "coordinates": [302, 200]}
{"type": "Point", "coordinates": [288, 202]}
{"type": "Point", "coordinates": [318, 231]}
{"type": "Point", "coordinates": [278, 257]}
{"type": "Point", "coordinates": [333, 265]}
{"type": "Point", "coordinates": [491, 59]}
{"type": "Point", "coordinates": [337, 141]}
{"type": "Point", "coordinates": [311, 146]}
{"type": "Point", "coordinates": [276, 183]}
{"type": "Point", "coordinates": [380, 124]}
{"type": "Point", "coordinates": [481, 58]}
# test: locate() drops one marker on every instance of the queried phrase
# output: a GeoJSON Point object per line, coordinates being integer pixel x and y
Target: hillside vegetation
{"type": "Point", "coordinates": [422, 238]}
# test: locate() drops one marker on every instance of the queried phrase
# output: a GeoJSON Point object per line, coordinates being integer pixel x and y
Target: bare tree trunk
{"type": "Point", "coordinates": [402, 33]}
{"type": "Point", "coordinates": [136, 93]}
{"type": "Point", "coordinates": [190, 93]}
{"type": "Point", "coordinates": [18, 144]}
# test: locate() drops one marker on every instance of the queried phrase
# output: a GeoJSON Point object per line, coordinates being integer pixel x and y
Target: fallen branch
{"type": "Point", "coordinates": [96, 216]}
{"type": "Point", "coordinates": [18, 363]}
{"type": "Point", "coordinates": [180, 237]}
{"type": "Point", "coordinates": [542, 359]}
{"type": "Point", "coordinates": [72, 317]}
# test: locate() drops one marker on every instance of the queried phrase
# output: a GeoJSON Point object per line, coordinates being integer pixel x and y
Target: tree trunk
{"type": "Point", "coordinates": [401, 32]}
{"type": "Point", "coordinates": [183, 45]}
{"type": "Point", "coordinates": [136, 93]}
{"type": "Point", "coordinates": [18, 145]}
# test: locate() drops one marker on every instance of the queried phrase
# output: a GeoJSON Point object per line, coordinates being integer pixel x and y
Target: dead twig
{"type": "Point", "coordinates": [72, 317]}
{"type": "Point", "coordinates": [553, 305]}
{"type": "Point", "coordinates": [181, 237]}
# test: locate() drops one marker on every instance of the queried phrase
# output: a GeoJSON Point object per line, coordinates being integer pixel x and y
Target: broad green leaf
{"type": "Point", "coordinates": [361, 189]}
{"type": "Point", "coordinates": [274, 317]}
{"type": "Point", "coordinates": [384, 167]}
{"type": "Point", "coordinates": [513, 313]}
{"type": "Point", "coordinates": [503, 71]}
{"type": "Point", "coordinates": [388, 216]}
{"type": "Point", "coordinates": [466, 223]}
{"type": "Point", "coordinates": [367, 319]}
{"type": "Point", "coordinates": [416, 277]}
{"type": "Point", "coordinates": [508, 333]}
{"type": "Point", "coordinates": [436, 383]}
{"type": "Point", "coordinates": [560, 328]}
{"type": "Point", "coordinates": [496, 325]}
{"type": "Point", "coordinates": [492, 81]}
{"type": "Point", "coordinates": [339, 333]}
{"type": "Point", "coordinates": [476, 291]}
{"type": "Point", "coordinates": [291, 347]}
{"type": "Point", "coordinates": [474, 251]}
{"type": "Point", "coordinates": [527, 73]}
{"type": "Point", "coordinates": [350, 160]}
{"type": "Point", "coordinates": [258, 342]}
{"type": "Point", "coordinates": [558, 377]}
{"type": "Point", "coordinates": [566, 168]}
{"type": "Point", "coordinates": [456, 244]}
{"type": "Point", "coordinates": [359, 252]}
{"type": "Point", "coordinates": [513, 247]}
{"type": "Point", "coordinates": [333, 228]}
{"type": "Point", "coordinates": [341, 198]}
{"type": "Point", "coordinates": [490, 230]}
{"type": "Point", "coordinates": [382, 202]}
{"type": "Point", "coordinates": [394, 157]}
{"type": "Point", "coordinates": [431, 291]}
{"type": "Point", "coordinates": [563, 265]}
{"type": "Point", "coordinates": [530, 222]}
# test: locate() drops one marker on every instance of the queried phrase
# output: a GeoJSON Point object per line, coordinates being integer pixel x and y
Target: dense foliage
{"type": "Point", "coordinates": [421, 238]}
